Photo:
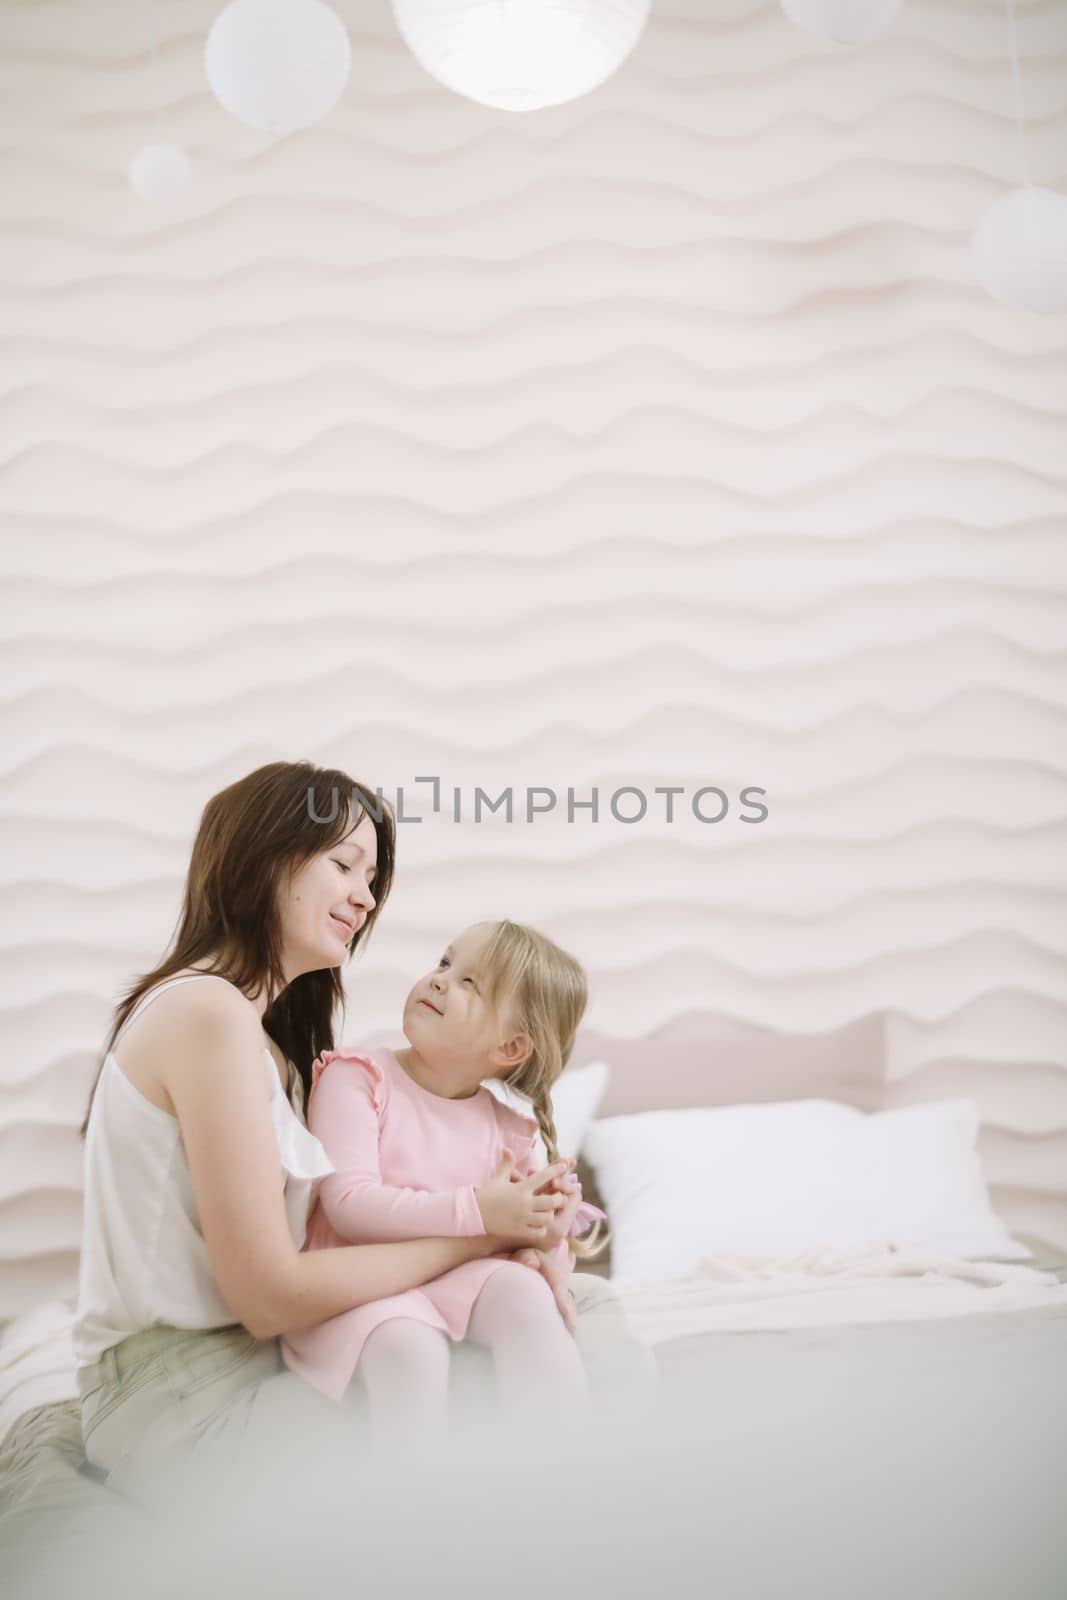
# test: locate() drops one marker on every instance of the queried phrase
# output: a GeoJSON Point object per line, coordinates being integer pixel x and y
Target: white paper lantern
{"type": "Point", "coordinates": [158, 172]}
{"type": "Point", "coordinates": [277, 65]}
{"type": "Point", "coordinates": [1019, 250]}
{"type": "Point", "coordinates": [842, 21]}
{"type": "Point", "coordinates": [521, 55]}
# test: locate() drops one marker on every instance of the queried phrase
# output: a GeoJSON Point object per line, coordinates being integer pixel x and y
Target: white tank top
{"type": "Point", "coordinates": [144, 1261]}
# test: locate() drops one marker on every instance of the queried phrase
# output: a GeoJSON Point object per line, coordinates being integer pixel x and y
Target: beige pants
{"type": "Point", "coordinates": [167, 1394]}
{"type": "Point", "coordinates": [159, 1396]}
{"type": "Point", "coordinates": [164, 1393]}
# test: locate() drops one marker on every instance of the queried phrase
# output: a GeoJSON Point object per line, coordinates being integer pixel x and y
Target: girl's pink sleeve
{"type": "Point", "coordinates": [344, 1115]}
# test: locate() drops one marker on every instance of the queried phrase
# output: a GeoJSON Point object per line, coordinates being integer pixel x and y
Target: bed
{"type": "Point", "coordinates": [876, 1417]}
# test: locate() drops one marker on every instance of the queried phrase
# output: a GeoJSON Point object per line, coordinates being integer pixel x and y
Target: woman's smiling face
{"type": "Point", "coordinates": [327, 901]}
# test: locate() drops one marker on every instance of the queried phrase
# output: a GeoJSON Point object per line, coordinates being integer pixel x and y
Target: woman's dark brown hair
{"type": "Point", "coordinates": [250, 835]}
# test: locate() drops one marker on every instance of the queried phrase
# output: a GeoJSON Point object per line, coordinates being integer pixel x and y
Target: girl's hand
{"type": "Point", "coordinates": [559, 1226]}
{"type": "Point", "coordinates": [558, 1176]}
{"type": "Point", "coordinates": [557, 1278]}
{"type": "Point", "coordinates": [512, 1209]}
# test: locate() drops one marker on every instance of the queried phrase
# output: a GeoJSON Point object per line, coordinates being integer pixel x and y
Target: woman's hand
{"type": "Point", "coordinates": [513, 1208]}
{"type": "Point", "coordinates": [558, 1277]}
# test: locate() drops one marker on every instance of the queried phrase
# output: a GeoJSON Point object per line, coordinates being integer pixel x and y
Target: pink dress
{"type": "Point", "coordinates": [407, 1162]}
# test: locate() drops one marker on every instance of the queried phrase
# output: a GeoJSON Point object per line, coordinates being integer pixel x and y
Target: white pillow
{"type": "Point", "coordinates": [922, 1172]}
{"type": "Point", "coordinates": [787, 1176]}
{"type": "Point", "coordinates": [575, 1097]}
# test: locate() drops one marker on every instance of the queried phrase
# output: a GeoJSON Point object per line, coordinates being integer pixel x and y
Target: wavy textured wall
{"type": "Point", "coordinates": [663, 438]}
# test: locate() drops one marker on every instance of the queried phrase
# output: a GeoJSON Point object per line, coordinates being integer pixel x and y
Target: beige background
{"type": "Point", "coordinates": [662, 438]}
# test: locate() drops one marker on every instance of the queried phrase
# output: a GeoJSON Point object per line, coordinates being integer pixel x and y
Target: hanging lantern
{"type": "Point", "coordinates": [521, 55]}
{"type": "Point", "coordinates": [1019, 250]}
{"type": "Point", "coordinates": [277, 65]}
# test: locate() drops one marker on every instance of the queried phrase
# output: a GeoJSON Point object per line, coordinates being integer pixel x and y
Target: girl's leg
{"type": "Point", "coordinates": [538, 1367]}
{"type": "Point", "coordinates": [404, 1367]}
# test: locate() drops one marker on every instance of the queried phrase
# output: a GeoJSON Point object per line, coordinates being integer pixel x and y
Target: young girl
{"type": "Point", "coordinates": [420, 1147]}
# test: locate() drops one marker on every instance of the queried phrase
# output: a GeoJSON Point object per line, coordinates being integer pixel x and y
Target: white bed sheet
{"type": "Point", "coordinates": [823, 1288]}
{"type": "Point", "coordinates": [817, 1288]}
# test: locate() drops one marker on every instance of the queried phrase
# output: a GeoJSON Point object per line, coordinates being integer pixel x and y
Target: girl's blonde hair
{"type": "Point", "coordinates": [537, 989]}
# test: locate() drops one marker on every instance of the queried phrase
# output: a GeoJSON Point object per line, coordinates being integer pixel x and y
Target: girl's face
{"type": "Point", "coordinates": [449, 1023]}
{"type": "Point", "coordinates": [327, 900]}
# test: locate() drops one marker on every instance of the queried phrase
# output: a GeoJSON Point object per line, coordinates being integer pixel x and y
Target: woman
{"type": "Point", "coordinates": [199, 1167]}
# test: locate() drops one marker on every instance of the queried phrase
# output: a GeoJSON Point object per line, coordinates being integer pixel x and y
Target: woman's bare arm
{"type": "Point", "coordinates": [211, 1061]}
{"type": "Point", "coordinates": [332, 1280]}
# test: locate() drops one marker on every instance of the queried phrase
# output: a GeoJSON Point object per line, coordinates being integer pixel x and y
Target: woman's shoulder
{"type": "Point", "coordinates": [200, 1001]}
{"type": "Point", "coordinates": [194, 987]}
{"type": "Point", "coordinates": [181, 1018]}
{"type": "Point", "coordinates": [179, 1032]}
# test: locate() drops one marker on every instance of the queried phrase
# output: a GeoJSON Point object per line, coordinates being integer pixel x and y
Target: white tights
{"type": "Point", "coordinates": [404, 1364]}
